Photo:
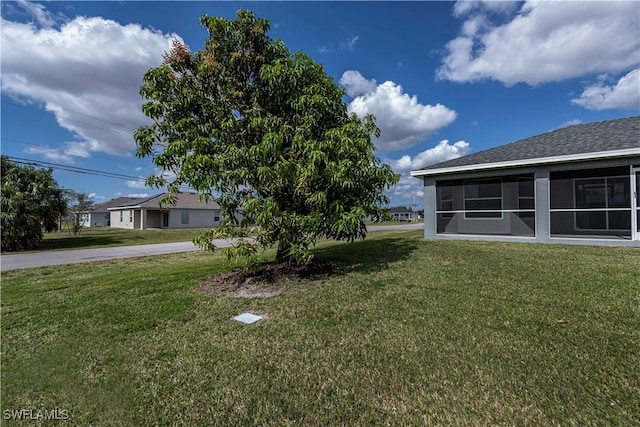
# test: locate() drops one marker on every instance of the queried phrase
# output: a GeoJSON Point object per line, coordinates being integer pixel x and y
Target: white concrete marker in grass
{"type": "Point", "coordinates": [247, 318]}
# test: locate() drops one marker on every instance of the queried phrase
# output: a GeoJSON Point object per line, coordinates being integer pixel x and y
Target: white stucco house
{"type": "Point", "coordinates": [577, 184]}
{"type": "Point", "coordinates": [187, 212]}
{"type": "Point", "coordinates": [99, 215]}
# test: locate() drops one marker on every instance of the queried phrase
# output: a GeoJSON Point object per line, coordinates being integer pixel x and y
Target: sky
{"type": "Point", "coordinates": [444, 79]}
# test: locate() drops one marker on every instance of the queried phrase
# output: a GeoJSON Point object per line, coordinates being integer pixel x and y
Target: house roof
{"type": "Point", "coordinates": [183, 201]}
{"type": "Point", "coordinates": [611, 138]}
{"type": "Point", "coordinates": [103, 207]}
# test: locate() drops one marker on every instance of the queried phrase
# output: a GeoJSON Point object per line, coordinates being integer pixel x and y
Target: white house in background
{"type": "Point", "coordinates": [187, 212]}
{"type": "Point", "coordinates": [402, 213]}
{"type": "Point", "coordinates": [99, 215]}
{"type": "Point", "coordinates": [578, 184]}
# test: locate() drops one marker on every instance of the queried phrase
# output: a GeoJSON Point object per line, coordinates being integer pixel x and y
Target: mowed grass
{"type": "Point", "coordinates": [99, 237]}
{"type": "Point", "coordinates": [414, 333]}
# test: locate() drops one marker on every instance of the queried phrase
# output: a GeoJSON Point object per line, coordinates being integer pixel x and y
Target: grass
{"type": "Point", "coordinates": [99, 237]}
{"type": "Point", "coordinates": [415, 333]}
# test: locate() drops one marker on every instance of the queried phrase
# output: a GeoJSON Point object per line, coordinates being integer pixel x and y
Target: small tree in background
{"type": "Point", "coordinates": [266, 132]}
{"type": "Point", "coordinates": [78, 207]}
{"type": "Point", "coordinates": [31, 201]}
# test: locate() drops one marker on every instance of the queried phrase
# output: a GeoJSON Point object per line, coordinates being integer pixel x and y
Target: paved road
{"type": "Point", "coordinates": [41, 259]}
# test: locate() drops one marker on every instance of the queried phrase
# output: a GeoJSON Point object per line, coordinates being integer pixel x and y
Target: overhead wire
{"type": "Point", "coordinates": [85, 171]}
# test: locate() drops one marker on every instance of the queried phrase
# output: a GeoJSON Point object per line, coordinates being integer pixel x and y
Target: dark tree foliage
{"type": "Point", "coordinates": [267, 134]}
{"type": "Point", "coordinates": [31, 201]}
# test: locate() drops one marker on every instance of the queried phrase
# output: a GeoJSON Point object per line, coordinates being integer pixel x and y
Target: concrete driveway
{"type": "Point", "coordinates": [41, 259]}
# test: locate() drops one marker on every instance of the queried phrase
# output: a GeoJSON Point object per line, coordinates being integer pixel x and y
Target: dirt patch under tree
{"type": "Point", "coordinates": [269, 280]}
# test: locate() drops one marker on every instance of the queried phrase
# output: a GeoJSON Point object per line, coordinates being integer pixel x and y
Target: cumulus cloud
{"type": "Point", "coordinates": [137, 184]}
{"type": "Point", "coordinates": [403, 121]}
{"type": "Point", "coordinates": [87, 73]}
{"type": "Point", "coordinates": [355, 84]}
{"type": "Point", "coordinates": [543, 41]}
{"type": "Point", "coordinates": [442, 152]}
{"type": "Point", "coordinates": [625, 94]}
{"type": "Point", "coordinates": [54, 155]}
{"type": "Point", "coordinates": [136, 195]}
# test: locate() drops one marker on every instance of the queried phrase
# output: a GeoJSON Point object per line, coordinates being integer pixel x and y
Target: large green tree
{"type": "Point", "coordinates": [264, 132]}
{"type": "Point", "coordinates": [31, 201]}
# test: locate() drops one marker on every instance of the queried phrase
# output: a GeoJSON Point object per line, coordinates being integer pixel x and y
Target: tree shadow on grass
{"type": "Point", "coordinates": [82, 241]}
{"type": "Point", "coordinates": [366, 256]}
{"type": "Point", "coordinates": [330, 261]}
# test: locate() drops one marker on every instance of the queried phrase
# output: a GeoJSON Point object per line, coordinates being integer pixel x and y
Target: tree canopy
{"type": "Point", "coordinates": [267, 134]}
{"type": "Point", "coordinates": [31, 201]}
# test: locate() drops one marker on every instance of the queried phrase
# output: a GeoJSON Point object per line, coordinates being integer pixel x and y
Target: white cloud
{"type": "Point", "coordinates": [350, 43]}
{"type": "Point", "coordinates": [39, 13]}
{"type": "Point", "coordinates": [138, 168]}
{"type": "Point", "coordinates": [87, 73]}
{"type": "Point", "coordinates": [442, 152]}
{"type": "Point", "coordinates": [543, 41]}
{"type": "Point", "coordinates": [625, 94]}
{"type": "Point", "coordinates": [570, 123]}
{"type": "Point", "coordinates": [54, 155]}
{"type": "Point", "coordinates": [137, 195]}
{"type": "Point", "coordinates": [137, 184]}
{"type": "Point", "coordinates": [464, 7]}
{"type": "Point", "coordinates": [402, 120]}
{"type": "Point", "coordinates": [355, 84]}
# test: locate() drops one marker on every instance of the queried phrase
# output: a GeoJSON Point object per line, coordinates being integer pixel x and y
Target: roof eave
{"type": "Point", "coordinates": [600, 155]}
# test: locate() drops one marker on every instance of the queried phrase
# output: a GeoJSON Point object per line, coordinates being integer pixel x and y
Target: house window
{"type": "Point", "coordinates": [526, 199]}
{"type": "Point", "coordinates": [591, 202]}
{"type": "Point", "coordinates": [216, 219]}
{"type": "Point", "coordinates": [121, 216]}
{"type": "Point", "coordinates": [130, 216]}
{"type": "Point", "coordinates": [603, 203]}
{"type": "Point", "coordinates": [184, 216]}
{"type": "Point", "coordinates": [483, 199]}
{"type": "Point", "coordinates": [445, 197]}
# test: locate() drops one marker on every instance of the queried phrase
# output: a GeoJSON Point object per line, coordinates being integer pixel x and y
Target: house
{"type": "Point", "coordinates": [187, 212]}
{"type": "Point", "coordinates": [578, 184]}
{"type": "Point", "coordinates": [99, 215]}
{"type": "Point", "coordinates": [402, 213]}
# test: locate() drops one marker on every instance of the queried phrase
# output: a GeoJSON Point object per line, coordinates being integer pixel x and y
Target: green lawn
{"type": "Point", "coordinates": [413, 333]}
{"type": "Point", "coordinates": [100, 237]}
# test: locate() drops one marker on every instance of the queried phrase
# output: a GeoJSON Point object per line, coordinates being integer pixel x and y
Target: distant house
{"type": "Point", "coordinates": [187, 212]}
{"type": "Point", "coordinates": [402, 213]}
{"type": "Point", "coordinates": [577, 184]}
{"type": "Point", "coordinates": [99, 215]}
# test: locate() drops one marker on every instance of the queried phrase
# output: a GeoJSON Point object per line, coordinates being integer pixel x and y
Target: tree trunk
{"type": "Point", "coordinates": [284, 252]}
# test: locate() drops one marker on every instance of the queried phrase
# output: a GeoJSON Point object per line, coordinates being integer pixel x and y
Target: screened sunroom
{"type": "Point", "coordinates": [545, 188]}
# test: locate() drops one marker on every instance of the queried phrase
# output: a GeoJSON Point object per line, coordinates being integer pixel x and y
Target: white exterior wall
{"type": "Point", "coordinates": [96, 219]}
{"type": "Point", "coordinates": [127, 219]}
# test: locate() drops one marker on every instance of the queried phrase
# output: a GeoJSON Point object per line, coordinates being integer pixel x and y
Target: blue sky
{"type": "Point", "coordinates": [444, 79]}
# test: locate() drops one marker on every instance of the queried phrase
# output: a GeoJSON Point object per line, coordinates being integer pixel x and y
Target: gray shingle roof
{"type": "Point", "coordinates": [594, 137]}
{"type": "Point", "coordinates": [102, 207]}
{"type": "Point", "coordinates": [183, 201]}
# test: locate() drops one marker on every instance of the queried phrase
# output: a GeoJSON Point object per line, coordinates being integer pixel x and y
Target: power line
{"type": "Point", "coordinates": [79, 154]}
{"type": "Point", "coordinates": [85, 171]}
{"type": "Point", "coordinates": [42, 163]}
